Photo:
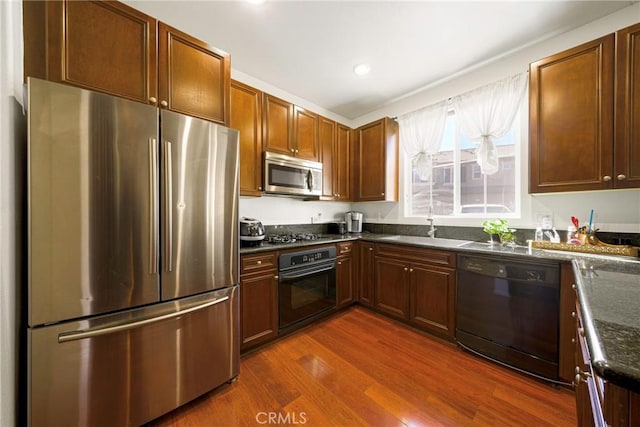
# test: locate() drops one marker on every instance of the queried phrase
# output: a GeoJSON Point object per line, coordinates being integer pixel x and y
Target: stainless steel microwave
{"type": "Point", "coordinates": [292, 176]}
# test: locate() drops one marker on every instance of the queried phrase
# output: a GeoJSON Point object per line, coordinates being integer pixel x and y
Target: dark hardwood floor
{"type": "Point", "coordinates": [359, 368]}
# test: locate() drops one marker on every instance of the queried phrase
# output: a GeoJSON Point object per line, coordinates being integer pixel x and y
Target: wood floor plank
{"type": "Point", "coordinates": [358, 368]}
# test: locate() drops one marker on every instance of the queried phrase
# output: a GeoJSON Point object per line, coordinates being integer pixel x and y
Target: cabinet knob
{"type": "Point", "coordinates": [405, 269]}
{"type": "Point", "coordinates": [276, 277]}
{"type": "Point", "coordinates": [370, 249]}
{"type": "Point", "coordinates": [260, 188]}
{"type": "Point", "coordinates": [621, 177]}
{"type": "Point", "coordinates": [573, 314]}
{"type": "Point", "coordinates": [573, 286]}
{"type": "Point", "coordinates": [259, 262]}
{"type": "Point", "coordinates": [581, 332]}
{"type": "Point", "coordinates": [382, 194]}
{"type": "Point", "coordinates": [411, 270]}
{"type": "Point", "coordinates": [339, 262]}
{"type": "Point", "coordinates": [573, 340]}
{"type": "Point", "coordinates": [153, 100]}
{"type": "Point", "coordinates": [606, 178]}
{"type": "Point", "coordinates": [164, 103]}
{"type": "Point", "coordinates": [293, 151]}
{"type": "Point", "coordinates": [296, 151]}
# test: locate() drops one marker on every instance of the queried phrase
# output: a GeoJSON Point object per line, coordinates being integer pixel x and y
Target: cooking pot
{"type": "Point", "coordinates": [251, 229]}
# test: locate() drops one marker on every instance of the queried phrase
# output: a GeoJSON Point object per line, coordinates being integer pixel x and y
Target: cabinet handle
{"type": "Point", "coordinates": [621, 177]}
{"type": "Point", "coordinates": [153, 100]}
{"type": "Point", "coordinates": [164, 103]}
{"type": "Point", "coordinates": [606, 178]}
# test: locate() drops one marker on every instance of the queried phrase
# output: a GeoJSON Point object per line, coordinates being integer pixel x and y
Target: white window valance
{"type": "Point", "coordinates": [421, 133]}
{"type": "Point", "coordinates": [486, 114]}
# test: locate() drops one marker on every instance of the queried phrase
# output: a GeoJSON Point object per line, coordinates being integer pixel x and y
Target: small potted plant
{"type": "Point", "coordinates": [500, 228]}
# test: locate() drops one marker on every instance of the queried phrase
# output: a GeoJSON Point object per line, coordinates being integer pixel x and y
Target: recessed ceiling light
{"type": "Point", "coordinates": [256, 1]}
{"type": "Point", "coordinates": [362, 69]}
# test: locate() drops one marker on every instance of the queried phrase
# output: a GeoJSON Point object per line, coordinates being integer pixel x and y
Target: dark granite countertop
{"type": "Point", "coordinates": [609, 295]}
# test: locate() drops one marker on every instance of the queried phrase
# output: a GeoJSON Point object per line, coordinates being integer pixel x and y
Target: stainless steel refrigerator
{"type": "Point", "coordinates": [133, 304]}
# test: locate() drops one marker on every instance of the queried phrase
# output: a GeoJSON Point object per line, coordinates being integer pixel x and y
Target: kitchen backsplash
{"type": "Point", "coordinates": [446, 232]}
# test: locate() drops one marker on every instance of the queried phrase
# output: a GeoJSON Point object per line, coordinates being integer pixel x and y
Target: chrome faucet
{"type": "Point", "coordinates": [432, 229]}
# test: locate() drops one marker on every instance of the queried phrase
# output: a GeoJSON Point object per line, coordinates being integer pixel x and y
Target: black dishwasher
{"type": "Point", "coordinates": [507, 310]}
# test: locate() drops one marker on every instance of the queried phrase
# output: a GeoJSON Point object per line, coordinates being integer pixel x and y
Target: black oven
{"type": "Point", "coordinates": [306, 286]}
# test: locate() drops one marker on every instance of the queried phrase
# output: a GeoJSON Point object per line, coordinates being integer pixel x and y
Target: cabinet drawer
{"type": "Point", "coordinates": [258, 262]}
{"type": "Point", "coordinates": [415, 254]}
{"type": "Point", "coordinates": [345, 248]}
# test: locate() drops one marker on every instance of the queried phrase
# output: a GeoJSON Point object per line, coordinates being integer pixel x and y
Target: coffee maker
{"type": "Point", "coordinates": [354, 221]}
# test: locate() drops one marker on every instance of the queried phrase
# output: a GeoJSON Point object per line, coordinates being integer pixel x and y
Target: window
{"type": "Point", "coordinates": [458, 188]}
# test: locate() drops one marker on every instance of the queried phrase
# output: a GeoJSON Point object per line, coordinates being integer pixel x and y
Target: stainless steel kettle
{"type": "Point", "coordinates": [251, 230]}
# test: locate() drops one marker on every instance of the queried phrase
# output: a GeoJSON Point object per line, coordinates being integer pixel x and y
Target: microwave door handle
{"type": "Point", "coordinates": [309, 180]}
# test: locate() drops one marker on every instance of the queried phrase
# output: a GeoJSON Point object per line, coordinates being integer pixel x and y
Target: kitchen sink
{"type": "Point", "coordinates": [427, 241]}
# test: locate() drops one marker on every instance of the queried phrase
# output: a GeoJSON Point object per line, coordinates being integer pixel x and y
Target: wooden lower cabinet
{"type": "Point", "coordinates": [391, 291]}
{"type": "Point", "coordinates": [365, 273]}
{"type": "Point", "coordinates": [416, 285]}
{"type": "Point", "coordinates": [345, 275]}
{"type": "Point", "coordinates": [432, 298]}
{"type": "Point", "coordinates": [258, 299]}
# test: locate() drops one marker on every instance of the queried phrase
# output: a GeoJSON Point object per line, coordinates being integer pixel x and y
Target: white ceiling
{"type": "Point", "coordinates": [309, 48]}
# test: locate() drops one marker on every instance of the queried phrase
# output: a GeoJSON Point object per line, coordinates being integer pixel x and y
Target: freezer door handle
{"type": "Point", "coordinates": [168, 207]}
{"type": "Point", "coordinates": [153, 211]}
{"type": "Point", "coordinates": [91, 333]}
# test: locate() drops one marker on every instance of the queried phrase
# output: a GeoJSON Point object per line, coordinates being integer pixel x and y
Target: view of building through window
{"type": "Point", "coordinates": [458, 187]}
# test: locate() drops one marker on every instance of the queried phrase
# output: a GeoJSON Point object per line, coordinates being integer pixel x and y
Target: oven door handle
{"type": "Point", "coordinates": [297, 274]}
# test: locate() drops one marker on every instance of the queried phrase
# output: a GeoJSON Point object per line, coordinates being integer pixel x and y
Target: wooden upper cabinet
{"type": "Point", "coordinates": [327, 138]}
{"type": "Point", "coordinates": [377, 161]}
{"type": "Point", "coordinates": [277, 125]}
{"type": "Point", "coordinates": [110, 47]}
{"type": "Point", "coordinates": [194, 78]}
{"type": "Point", "coordinates": [626, 162]}
{"type": "Point", "coordinates": [342, 163]}
{"type": "Point", "coordinates": [305, 136]}
{"type": "Point", "coordinates": [571, 119]}
{"type": "Point", "coordinates": [98, 45]}
{"type": "Point", "coordinates": [246, 116]}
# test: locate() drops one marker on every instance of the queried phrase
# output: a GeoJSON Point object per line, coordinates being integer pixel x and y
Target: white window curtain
{"type": "Point", "coordinates": [421, 136]}
{"type": "Point", "coordinates": [486, 114]}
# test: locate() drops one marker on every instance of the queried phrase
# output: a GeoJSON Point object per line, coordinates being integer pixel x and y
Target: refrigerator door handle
{"type": "Point", "coordinates": [91, 333]}
{"type": "Point", "coordinates": [153, 192]}
{"type": "Point", "coordinates": [168, 207]}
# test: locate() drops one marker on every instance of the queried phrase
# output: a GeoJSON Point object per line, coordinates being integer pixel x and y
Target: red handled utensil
{"type": "Point", "coordinates": [575, 222]}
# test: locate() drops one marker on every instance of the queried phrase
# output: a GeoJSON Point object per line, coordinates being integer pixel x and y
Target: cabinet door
{"type": "Point", "coordinates": [377, 161]}
{"type": "Point", "coordinates": [259, 308]}
{"type": "Point", "coordinates": [246, 116]}
{"type": "Point", "coordinates": [391, 293]}
{"type": "Point", "coordinates": [193, 77]}
{"type": "Point", "coordinates": [277, 123]}
{"type": "Point", "coordinates": [626, 171]}
{"type": "Point", "coordinates": [327, 156]}
{"type": "Point", "coordinates": [366, 276]}
{"type": "Point", "coordinates": [103, 46]}
{"type": "Point", "coordinates": [571, 119]}
{"type": "Point", "coordinates": [344, 277]}
{"type": "Point", "coordinates": [341, 163]}
{"type": "Point", "coordinates": [432, 298]}
{"type": "Point", "coordinates": [306, 134]}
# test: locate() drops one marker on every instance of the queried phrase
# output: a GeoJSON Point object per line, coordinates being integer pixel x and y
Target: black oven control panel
{"type": "Point", "coordinates": [312, 256]}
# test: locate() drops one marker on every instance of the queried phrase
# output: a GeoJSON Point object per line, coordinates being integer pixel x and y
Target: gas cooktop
{"type": "Point", "coordinates": [292, 237]}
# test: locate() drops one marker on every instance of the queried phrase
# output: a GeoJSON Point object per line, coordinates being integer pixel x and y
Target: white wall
{"type": "Point", "coordinates": [10, 216]}
{"type": "Point", "coordinates": [617, 211]}
{"type": "Point", "coordinates": [275, 210]}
